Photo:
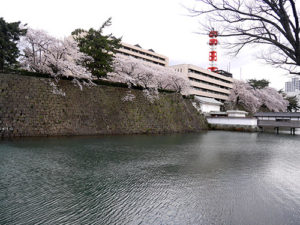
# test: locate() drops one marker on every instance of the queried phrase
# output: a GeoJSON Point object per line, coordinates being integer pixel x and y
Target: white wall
{"type": "Point", "coordinates": [230, 114]}
{"type": "Point", "coordinates": [206, 108]}
{"type": "Point", "coordinates": [232, 121]}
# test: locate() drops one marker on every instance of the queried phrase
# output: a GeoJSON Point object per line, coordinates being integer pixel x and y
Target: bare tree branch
{"type": "Point", "coordinates": [273, 23]}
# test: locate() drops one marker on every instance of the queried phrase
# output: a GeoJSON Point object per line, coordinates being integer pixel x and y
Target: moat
{"type": "Point", "coordinates": [206, 178]}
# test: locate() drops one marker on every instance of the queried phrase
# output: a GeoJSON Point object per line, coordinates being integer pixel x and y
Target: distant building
{"type": "Point", "coordinates": [288, 87]}
{"type": "Point", "coordinates": [205, 83]}
{"type": "Point", "coordinates": [292, 88]}
{"type": "Point", "coordinates": [138, 52]}
{"type": "Point", "coordinates": [293, 85]}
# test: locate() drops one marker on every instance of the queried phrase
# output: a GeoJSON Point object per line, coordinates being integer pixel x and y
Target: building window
{"type": "Point", "coordinates": [210, 91]}
{"type": "Point", "coordinates": [207, 75]}
{"type": "Point", "coordinates": [208, 83]}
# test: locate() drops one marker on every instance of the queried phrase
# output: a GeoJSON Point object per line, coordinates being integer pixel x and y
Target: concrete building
{"type": "Point", "coordinates": [293, 85]}
{"type": "Point", "coordinates": [288, 87]}
{"type": "Point", "coordinates": [138, 52]}
{"type": "Point", "coordinates": [206, 83]}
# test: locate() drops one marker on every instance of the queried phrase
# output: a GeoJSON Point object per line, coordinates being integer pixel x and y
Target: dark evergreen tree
{"type": "Point", "coordinates": [259, 84]}
{"type": "Point", "coordinates": [101, 48]}
{"type": "Point", "coordinates": [293, 103]}
{"type": "Point", "coordinates": [9, 36]}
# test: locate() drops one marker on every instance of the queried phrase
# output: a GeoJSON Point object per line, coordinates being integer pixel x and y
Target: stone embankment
{"type": "Point", "coordinates": [28, 107]}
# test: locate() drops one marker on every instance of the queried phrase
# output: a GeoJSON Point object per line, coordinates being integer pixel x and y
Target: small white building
{"type": "Point", "coordinates": [236, 113]}
{"type": "Point", "coordinates": [208, 104]}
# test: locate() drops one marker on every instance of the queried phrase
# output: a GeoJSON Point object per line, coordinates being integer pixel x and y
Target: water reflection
{"type": "Point", "coordinates": [208, 178]}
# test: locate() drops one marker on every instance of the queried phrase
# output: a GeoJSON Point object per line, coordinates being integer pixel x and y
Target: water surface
{"type": "Point", "coordinates": [207, 178]}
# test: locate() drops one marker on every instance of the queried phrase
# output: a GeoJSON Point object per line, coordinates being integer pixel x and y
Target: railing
{"type": "Point", "coordinates": [274, 123]}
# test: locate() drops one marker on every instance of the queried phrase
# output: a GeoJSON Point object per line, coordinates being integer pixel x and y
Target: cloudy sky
{"type": "Point", "coordinates": [163, 25]}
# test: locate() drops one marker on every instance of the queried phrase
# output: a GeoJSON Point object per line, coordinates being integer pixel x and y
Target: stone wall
{"type": "Point", "coordinates": [28, 107]}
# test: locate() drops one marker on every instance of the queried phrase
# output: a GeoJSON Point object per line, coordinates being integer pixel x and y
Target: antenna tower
{"type": "Point", "coordinates": [213, 42]}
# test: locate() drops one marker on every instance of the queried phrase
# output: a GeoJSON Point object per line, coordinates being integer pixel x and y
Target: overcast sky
{"type": "Point", "coordinates": [162, 25]}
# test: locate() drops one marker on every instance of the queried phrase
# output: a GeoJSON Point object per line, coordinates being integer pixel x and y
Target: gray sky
{"type": "Point", "coordinates": [162, 25]}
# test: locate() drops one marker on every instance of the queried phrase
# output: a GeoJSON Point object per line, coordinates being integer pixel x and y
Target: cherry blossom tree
{"type": "Point", "coordinates": [136, 72]}
{"type": "Point", "coordinates": [271, 99]}
{"type": "Point", "coordinates": [242, 94]}
{"type": "Point", "coordinates": [252, 100]}
{"type": "Point", "coordinates": [45, 54]}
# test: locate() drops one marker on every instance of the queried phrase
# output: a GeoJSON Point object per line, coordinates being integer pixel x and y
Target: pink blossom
{"type": "Point", "coordinates": [147, 75]}
{"type": "Point", "coordinates": [252, 100]}
{"type": "Point", "coordinates": [46, 54]}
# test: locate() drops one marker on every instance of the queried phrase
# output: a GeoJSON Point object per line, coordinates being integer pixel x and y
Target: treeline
{"type": "Point", "coordinates": [256, 95]}
{"type": "Point", "coordinates": [84, 55]}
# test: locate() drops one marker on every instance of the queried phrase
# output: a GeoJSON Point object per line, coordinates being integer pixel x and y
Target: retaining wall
{"type": "Point", "coordinates": [28, 107]}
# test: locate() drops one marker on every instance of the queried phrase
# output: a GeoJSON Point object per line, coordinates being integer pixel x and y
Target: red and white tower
{"type": "Point", "coordinates": [213, 42]}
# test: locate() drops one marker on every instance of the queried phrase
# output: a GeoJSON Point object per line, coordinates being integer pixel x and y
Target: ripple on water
{"type": "Point", "coordinates": [208, 178]}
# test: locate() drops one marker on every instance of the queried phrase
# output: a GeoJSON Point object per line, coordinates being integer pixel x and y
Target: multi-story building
{"type": "Point", "coordinates": [205, 83]}
{"type": "Point", "coordinates": [293, 85]}
{"type": "Point", "coordinates": [148, 55]}
{"type": "Point", "coordinates": [288, 87]}
{"type": "Point", "coordinates": [292, 88]}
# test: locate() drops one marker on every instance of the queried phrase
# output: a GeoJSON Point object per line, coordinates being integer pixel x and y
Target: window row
{"type": "Point", "coordinates": [210, 76]}
{"type": "Point", "coordinates": [143, 53]}
{"type": "Point", "coordinates": [142, 58]}
{"type": "Point", "coordinates": [208, 83]}
{"type": "Point", "coordinates": [210, 91]}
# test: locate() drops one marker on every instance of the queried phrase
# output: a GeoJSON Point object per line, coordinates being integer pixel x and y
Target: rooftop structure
{"type": "Point", "coordinates": [138, 52]}
{"type": "Point", "coordinates": [225, 73]}
{"type": "Point", "coordinates": [206, 83]}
